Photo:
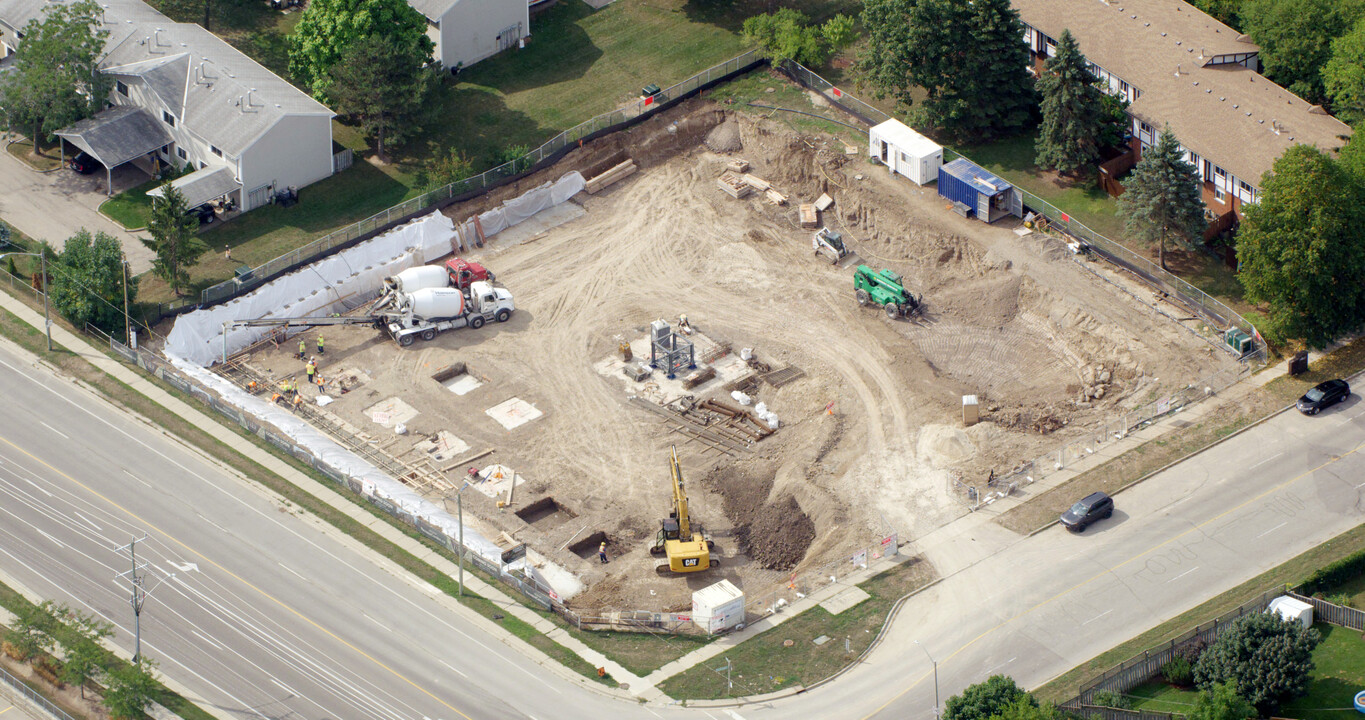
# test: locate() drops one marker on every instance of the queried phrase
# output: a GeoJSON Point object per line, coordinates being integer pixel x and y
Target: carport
{"type": "Point", "coordinates": [202, 186]}
{"type": "Point", "coordinates": [116, 136]}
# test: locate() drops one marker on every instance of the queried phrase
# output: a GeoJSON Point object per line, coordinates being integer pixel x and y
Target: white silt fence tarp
{"type": "Point", "coordinates": [321, 287]}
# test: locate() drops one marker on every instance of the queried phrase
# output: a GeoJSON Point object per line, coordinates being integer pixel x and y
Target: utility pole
{"type": "Point", "coordinates": [935, 662]}
{"type": "Point", "coordinates": [136, 577]}
{"type": "Point", "coordinates": [127, 320]}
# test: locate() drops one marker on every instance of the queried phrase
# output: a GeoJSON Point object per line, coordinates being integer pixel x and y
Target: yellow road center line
{"type": "Point", "coordinates": [238, 578]}
{"type": "Point", "coordinates": [1109, 571]}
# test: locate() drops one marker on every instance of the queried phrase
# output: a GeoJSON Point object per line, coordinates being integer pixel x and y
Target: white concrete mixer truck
{"type": "Point", "coordinates": [430, 310]}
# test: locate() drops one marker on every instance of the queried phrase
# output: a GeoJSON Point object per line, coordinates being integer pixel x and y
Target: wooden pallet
{"type": "Point", "coordinates": [733, 185]}
{"type": "Point", "coordinates": [778, 378]}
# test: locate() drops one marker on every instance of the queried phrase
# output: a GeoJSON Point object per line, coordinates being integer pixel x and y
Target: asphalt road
{"type": "Point", "coordinates": [270, 615]}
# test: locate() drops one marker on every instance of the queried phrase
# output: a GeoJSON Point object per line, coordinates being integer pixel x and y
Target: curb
{"type": "Point", "coordinates": [25, 162]}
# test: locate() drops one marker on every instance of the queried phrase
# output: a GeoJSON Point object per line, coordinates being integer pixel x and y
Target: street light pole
{"type": "Point", "coordinates": [47, 314]}
{"type": "Point", "coordinates": [935, 663]}
{"type": "Point", "coordinates": [459, 508]}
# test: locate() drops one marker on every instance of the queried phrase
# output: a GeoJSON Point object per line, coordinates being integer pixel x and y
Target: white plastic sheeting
{"type": "Point", "coordinates": [322, 287]}
{"type": "Point", "coordinates": [373, 481]}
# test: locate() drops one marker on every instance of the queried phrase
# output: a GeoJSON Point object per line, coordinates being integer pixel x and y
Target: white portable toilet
{"type": "Point", "coordinates": [905, 151]}
{"type": "Point", "coordinates": [718, 607]}
{"type": "Point", "coordinates": [1292, 610]}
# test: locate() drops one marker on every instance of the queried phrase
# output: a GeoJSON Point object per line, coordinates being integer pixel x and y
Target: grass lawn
{"type": "Point", "coordinates": [1354, 592]}
{"type": "Point", "coordinates": [46, 159]}
{"type": "Point", "coordinates": [753, 88]}
{"type": "Point", "coordinates": [1339, 674]}
{"type": "Point", "coordinates": [766, 663]}
{"type": "Point", "coordinates": [131, 208]}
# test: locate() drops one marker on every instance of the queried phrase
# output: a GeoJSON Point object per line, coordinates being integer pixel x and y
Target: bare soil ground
{"type": "Point", "coordinates": [871, 436]}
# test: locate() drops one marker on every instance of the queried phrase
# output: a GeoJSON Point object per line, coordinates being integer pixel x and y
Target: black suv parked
{"type": "Point", "coordinates": [1323, 396]}
{"type": "Point", "coordinates": [1092, 507]}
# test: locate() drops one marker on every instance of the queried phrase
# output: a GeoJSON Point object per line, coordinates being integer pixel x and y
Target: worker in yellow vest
{"type": "Point", "coordinates": [320, 343]}
{"type": "Point", "coordinates": [303, 348]}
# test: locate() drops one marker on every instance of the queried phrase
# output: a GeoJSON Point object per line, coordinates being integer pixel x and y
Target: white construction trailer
{"type": "Point", "coordinates": [905, 151]}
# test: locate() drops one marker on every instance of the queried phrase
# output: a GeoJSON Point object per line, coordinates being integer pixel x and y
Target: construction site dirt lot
{"type": "Point", "coordinates": [871, 435]}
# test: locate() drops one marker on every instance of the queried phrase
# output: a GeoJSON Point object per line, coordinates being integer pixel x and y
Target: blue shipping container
{"type": "Point", "coordinates": [963, 181]}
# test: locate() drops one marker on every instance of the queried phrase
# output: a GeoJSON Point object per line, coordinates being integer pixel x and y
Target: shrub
{"type": "Point", "coordinates": [1178, 672]}
{"type": "Point", "coordinates": [985, 699]}
{"type": "Point", "coordinates": [1111, 699]}
{"type": "Point", "coordinates": [1333, 575]}
{"type": "Point", "coordinates": [1264, 658]}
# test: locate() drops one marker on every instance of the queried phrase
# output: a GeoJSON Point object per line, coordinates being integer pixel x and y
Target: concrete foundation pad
{"type": "Point", "coordinates": [462, 384]}
{"type": "Point", "coordinates": [442, 448]}
{"type": "Point", "coordinates": [657, 387]}
{"type": "Point", "coordinates": [391, 412]}
{"type": "Point", "coordinates": [846, 599]}
{"type": "Point", "coordinates": [497, 480]}
{"type": "Point", "coordinates": [513, 413]}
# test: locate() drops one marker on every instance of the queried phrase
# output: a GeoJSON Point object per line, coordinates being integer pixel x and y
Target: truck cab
{"type": "Point", "coordinates": [489, 302]}
{"type": "Point", "coordinates": [464, 273]}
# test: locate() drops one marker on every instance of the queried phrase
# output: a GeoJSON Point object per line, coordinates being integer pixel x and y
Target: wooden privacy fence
{"type": "Point", "coordinates": [1100, 712]}
{"type": "Point", "coordinates": [1331, 613]}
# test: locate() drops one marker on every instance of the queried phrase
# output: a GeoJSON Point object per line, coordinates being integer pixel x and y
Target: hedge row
{"type": "Point", "coordinates": [1333, 576]}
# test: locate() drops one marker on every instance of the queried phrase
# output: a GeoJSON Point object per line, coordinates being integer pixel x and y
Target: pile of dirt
{"type": "Point", "coordinates": [1037, 420]}
{"type": "Point", "coordinates": [725, 138]}
{"type": "Point", "coordinates": [776, 533]}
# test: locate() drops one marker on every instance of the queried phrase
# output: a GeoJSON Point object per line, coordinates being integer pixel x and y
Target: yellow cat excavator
{"type": "Point", "coordinates": [687, 551]}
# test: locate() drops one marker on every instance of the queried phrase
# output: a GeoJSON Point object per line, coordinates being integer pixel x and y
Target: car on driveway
{"type": "Point", "coordinates": [203, 213]}
{"type": "Point", "coordinates": [84, 164]}
{"type": "Point", "coordinates": [1323, 396]}
{"type": "Point", "coordinates": [1092, 507]}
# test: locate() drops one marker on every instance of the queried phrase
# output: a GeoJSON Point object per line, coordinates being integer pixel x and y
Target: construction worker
{"type": "Point", "coordinates": [684, 326]}
{"type": "Point", "coordinates": [275, 397]}
{"type": "Point", "coordinates": [251, 387]}
{"type": "Point", "coordinates": [303, 348]}
{"type": "Point", "coordinates": [298, 402]}
{"type": "Point", "coordinates": [320, 351]}
{"type": "Point", "coordinates": [311, 368]}
{"type": "Point", "coordinates": [602, 552]}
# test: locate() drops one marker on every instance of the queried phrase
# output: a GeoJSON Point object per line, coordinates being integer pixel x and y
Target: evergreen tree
{"type": "Point", "coordinates": [1300, 249]}
{"type": "Point", "coordinates": [1068, 138]}
{"type": "Point", "coordinates": [1161, 203]}
{"type": "Point", "coordinates": [174, 239]}
{"type": "Point", "coordinates": [381, 85]}
{"type": "Point", "coordinates": [1263, 656]}
{"type": "Point", "coordinates": [967, 57]}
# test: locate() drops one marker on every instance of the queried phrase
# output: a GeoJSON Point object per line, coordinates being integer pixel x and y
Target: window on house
{"type": "Point", "coordinates": [1245, 187]}
{"type": "Point", "coordinates": [1123, 86]}
{"type": "Point", "coordinates": [215, 151]}
{"type": "Point", "coordinates": [1146, 128]}
{"type": "Point", "coordinates": [122, 89]}
{"type": "Point", "coordinates": [202, 164]}
{"type": "Point", "coordinates": [1220, 172]}
{"type": "Point", "coordinates": [181, 153]}
{"type": "Point", "coordinates": [169, 118]}
{"type": "Point", "coordinates": [1219, 195]}
{"type": "Point", "coordinates": [1208, 169]}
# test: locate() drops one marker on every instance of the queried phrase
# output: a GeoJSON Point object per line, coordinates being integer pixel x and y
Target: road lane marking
{"type": "Point", "coordinates": [278, 602]}
{"type": "Point", "coordinates": [37, 487]}
{"type": "Point", "coordinates": [1097, 617]}
{"type": "Point", "coordinates": [1272, 457]}
{"type": "Point", "coordinates": [1107, 572]}
{"type": "Point", "coordinates": [205, 638]}
{"type": "Point", "coordinates": [2, 712]}
{"type": "Point", "coordinates": [59, 543]}
{"type": "Point", "coordinates": [88, 521]}
{"type": "Point", "coordinates": [292, 570]}
{"type": "Point", "coordinates": [53, 429]}
{"type": "Point", "coordinates": [131, 475]}
{"type": "Point", "coordinates": [1181, 575]}
{"type": "Point", "coordinates": [457, 670]}
{"type": "Point", "coordinates": [1271, 530]}
{"type": "Point", "coordinates": [997, 667]}
{"type": "Point", "coordinates": [734, 715]}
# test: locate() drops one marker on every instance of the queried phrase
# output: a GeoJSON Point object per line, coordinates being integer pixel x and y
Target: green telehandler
{"type": "Point", "coordinates": [884, 289]}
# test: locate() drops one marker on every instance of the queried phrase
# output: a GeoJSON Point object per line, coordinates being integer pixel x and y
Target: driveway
{"type": "Point", "coordinates": [54, 205]}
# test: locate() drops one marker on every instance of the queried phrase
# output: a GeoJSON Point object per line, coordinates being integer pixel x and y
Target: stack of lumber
{"type": "Point", "coordinates": [823, 202]}
{"type": "Point", "coordinates": [809, 217]}
{"type": "Point", "coordinates": [738, 165]}
{"type": "Point", "coordinates": [611, 176]}
{"type": "Point", "coordinates": [756, 182]}
{"type": "Point", "coordinates": [733, 185]}
{"type": "Point", "coordinates": [775, 197]}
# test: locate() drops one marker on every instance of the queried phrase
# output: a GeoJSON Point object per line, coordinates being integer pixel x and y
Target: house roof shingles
{"type": "Point", "coordinates": [1206, 106]}
{"type": "Point", "coordinates": [117, 135]}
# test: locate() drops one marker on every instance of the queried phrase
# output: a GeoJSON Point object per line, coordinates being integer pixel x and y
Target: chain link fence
{"type": "Point", "coordinates": [33, 696]}
{"type": "Point", "coordinates": [549, 152]}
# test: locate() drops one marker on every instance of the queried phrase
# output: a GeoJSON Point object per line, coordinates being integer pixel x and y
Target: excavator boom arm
{"type": "Point", "coordinates": [680, 499]}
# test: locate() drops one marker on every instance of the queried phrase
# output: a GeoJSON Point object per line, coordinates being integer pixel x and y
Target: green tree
{"type": "Point", "coordinates": [1068, 138]}
{"type": "Point", "coordinates": [1264, 657]}
{"type": "Point", "coordinates": [1228, 12]}
{"type": "Point", "coordinates": [1296, 38]}
{"type": "Point", "coordinates": [1221, 702]}
{"type": "Point", "coordinates": [85, 657]}
{"type": "Point", "coordinates": [328, 28]}
{"type": "Point", "coordinates": [1343, 76]}
{"type": "Point", "coordinates": [382, 86]}
{"type": "Point", "coordinates": [967, 57]}
{"type": "Point", "coordinates": [56, 80]}
{"type": "Point", "coordinates": [443, 170]}
{"type": "Point", "coordinates": [788, 35]}
{"type": "Point", "coordinates": [1025, 707]}
{"type": "Point", "coordinates": [1301, 252]}
{"type": "Point", "coordinates": [1114, 121]}
{"type": "Point", "coordinates": [87, 281]}
{"type": "Point", "coordinates": [34, 629]}
{"type": "Point", "coordinates": [1161, 203]}
{"type": "Point", "coordinates": [130, 689]}
{"type": "Point", "coordinates": [173, 238]}
{"type": "Point", "coordinates": [986, 699]}
{"type": "Point", "coordinates": [1352, 156]}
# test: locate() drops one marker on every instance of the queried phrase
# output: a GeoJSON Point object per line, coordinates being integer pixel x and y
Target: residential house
{"type": "Point", "coordinates": [1178, 66]}
{"type": "Point", "coordinates": [467, 31]}
{"type": "Point", "coordinates": [184, 97]}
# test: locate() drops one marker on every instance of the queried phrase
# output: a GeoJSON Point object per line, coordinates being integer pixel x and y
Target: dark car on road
{"type": "Point", "coordinates": [1323, 396]}
{"type": "Point", "coordinates": [1092, 507]}
{"type": "Point", "coordinates": [84, 164]}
